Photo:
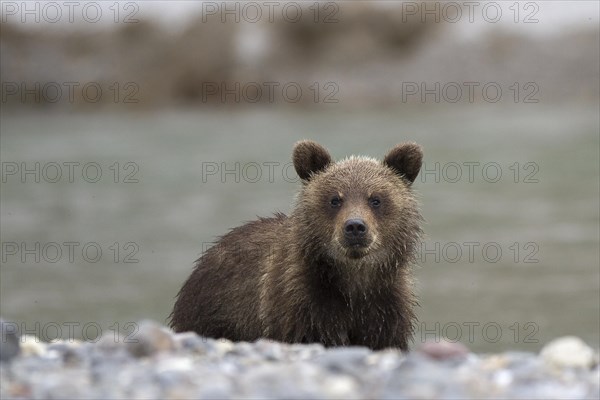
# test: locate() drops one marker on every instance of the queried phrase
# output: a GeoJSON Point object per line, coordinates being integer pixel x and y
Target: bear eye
{"type": "Point", "coordinates": [374, 202]}
{"type": "Point", "coordinates": [336, 202]}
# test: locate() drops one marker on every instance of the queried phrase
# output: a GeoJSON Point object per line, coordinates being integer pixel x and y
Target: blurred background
{"type": "Point", "coordinates": [133, 134]}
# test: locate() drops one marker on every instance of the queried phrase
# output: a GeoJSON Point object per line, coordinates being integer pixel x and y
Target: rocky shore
{"type": "Point", "coordinates": [156, 363]}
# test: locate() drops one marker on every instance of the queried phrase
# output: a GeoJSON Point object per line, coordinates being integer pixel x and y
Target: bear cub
{"type": "Point", "coordinates": [337, 271]}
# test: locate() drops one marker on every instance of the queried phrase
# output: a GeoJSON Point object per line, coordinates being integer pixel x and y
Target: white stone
{"type": "Point", "coordinates": [568, 351]}
{"type": "Point", "coordinates": [341, 387]}
{"type": "Point", "coordinates": [32, 346]}
{"type": "Point", "coordinates": [180, 364]}
{"type": "Point", "coordinates": [224, 346]}
{"type": "Point", "coordinates": [503, 378]}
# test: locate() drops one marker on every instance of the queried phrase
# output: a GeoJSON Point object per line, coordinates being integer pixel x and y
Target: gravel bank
{"type": "Point", "coordinates": [159, 364]}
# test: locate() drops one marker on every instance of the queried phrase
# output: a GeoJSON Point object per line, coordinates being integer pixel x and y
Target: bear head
{"type": "Point", "coordinates": [357, 210]}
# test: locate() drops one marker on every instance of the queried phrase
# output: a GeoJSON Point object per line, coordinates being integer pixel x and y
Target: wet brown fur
{"type": "Point", "coordinates": [294, 279]}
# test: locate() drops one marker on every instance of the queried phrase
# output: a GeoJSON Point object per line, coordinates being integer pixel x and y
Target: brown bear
{"type": "Point", "coordinates": [336, 271]}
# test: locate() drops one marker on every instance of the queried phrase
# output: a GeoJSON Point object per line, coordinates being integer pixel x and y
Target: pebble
{"type": "Point", "coordinates": [150, 339]}
{"type": "Point", "coordinates": [343, 359]}
{"type": "Point", "coordinates": [444, 350]}
{"type": "Point", "coordinates": [70, 354]}
{"type": "Point", "coordinates": [32, 345]}
{"type": "Point", "coordinates": [162, 364]}
{"type": "Point", "coordinates": [568, 351]}
{"type": "Point", "coordinates": [192, 343]}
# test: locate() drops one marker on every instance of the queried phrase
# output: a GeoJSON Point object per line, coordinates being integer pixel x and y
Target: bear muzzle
{"type": "Point", "coordinates": [356, 237]}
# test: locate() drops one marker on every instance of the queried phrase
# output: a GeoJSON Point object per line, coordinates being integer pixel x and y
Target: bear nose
{"type": "Point", "coordinates": [355, 228]}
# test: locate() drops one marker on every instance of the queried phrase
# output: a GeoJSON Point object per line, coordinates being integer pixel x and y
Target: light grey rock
{"type": "Point", "coordinates": [71, 355]}
{"type": "Point", "coordinates": [150, 339]}
{"type": "Point", "coordinates": [32, 346]}
{"type": "Point", "coordinates": [344, 359]}
{"type": "Point", "coordinates": [190, 342]}
{"type": "Point", "coordinates": [271, 350]}
{"type": "Point", "coordinates": [444, 350]}
{"type": "Point", "coordinates": [568, 351]}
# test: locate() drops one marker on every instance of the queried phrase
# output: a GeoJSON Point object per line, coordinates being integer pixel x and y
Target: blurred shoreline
{"type": "Point", "coordinates": [148, 360]}
{"type": "Point", "coordinates": [370, 58]}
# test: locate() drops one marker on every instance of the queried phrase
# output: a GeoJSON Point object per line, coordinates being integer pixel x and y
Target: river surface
{"type": "Point", "coordinates": [127, 201]}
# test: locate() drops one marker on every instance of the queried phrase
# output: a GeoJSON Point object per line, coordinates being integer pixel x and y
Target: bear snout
{"type": "Point", "coordinates": [355, 232]}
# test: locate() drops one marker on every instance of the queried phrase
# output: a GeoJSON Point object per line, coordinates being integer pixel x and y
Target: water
{"type": "Point", "coordinates": [489, 301]}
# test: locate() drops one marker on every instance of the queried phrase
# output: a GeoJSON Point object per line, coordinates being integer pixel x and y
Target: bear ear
{"type": "Point", "coordinates": [309, 158]}
{"type": "Point", "coordinates": [405, 159]}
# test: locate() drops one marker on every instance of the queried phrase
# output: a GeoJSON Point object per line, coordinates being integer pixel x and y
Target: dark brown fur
{"type": "Point", "coordinates": [299, 278]}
